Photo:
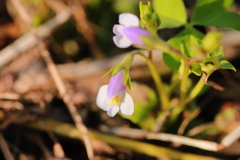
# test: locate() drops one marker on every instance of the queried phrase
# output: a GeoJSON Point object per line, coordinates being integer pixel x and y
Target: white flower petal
{"type": "Point", "coordinates": [128, 19]}
{"type": "Point", "coordinates": [127, 105]}
{"type": "Point", "coordinates": [122, 41]}
{"type": "Point", "coordinates": [117, 29]}
{"type": "Point", "coordinates": [113, 110]}
{"type": "Point", "coordinates": [102, 98]}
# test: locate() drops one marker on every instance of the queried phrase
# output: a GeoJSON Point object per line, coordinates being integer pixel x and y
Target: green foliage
{"type": "Point", "coordinates": [223, 20]}
{"type": "Point", "coordinates": [209, 8]}
{"type": "Point", "coordinates": [224, 64]}
{"type": "Point", "coordinates": [190, 37]}
{"type": "Point", "coordinates": [214, 13]}
{"type": "Point", "coordinates": [190, 51]}
{"type": "Point", "coordinates": [172, 13]}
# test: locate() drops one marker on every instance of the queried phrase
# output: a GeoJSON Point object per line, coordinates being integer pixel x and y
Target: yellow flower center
{"type": "Point", "coordinates": [115, 100]}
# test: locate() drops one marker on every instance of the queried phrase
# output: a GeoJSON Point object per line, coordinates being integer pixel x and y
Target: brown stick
{"type": "Point", "coordinates": [58, 81]}
{"type": "Point", "coordinates": [141, 134]}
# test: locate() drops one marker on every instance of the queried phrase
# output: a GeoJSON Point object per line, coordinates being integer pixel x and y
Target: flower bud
{"type": "Point", "coordinates": [211, 40]}
{"type": "Point", "coordinates": [149, 18]}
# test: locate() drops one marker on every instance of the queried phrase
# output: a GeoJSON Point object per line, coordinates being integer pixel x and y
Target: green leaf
{"type": "Point", "coordinates": [222, 20]}
{"type": "Point", "coordinates": [145, 100]}
{"type": "Point", "coordinates": [129, 83]}
{"type": "Point", "coordinates": [184, 49]}
{"type": "Point", "coordinates": [190, 37]}
{"type": "Point", "coordinates": [206, 8]}
{"type": "Point", "coordinates": [109, 72]}
{"type": "Point", "coordinates": [172, 13]}
{"type": "Point", "coordinates": [224, 64]}
{"type": "Point", "coordinates": [218, 51]}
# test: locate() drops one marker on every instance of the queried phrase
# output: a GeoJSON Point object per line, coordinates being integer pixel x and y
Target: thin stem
{"type": "Point", "coordinates": [183, 87]}
{"type": "Point", "coordinates": [197, 88]}
{"type": "Point", "coordinates": [179, 53]}
{"type": "Point", "coordinates": [157, 80]}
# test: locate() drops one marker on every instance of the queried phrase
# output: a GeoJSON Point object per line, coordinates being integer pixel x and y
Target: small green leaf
{"type": "Point", "coordinates": [172, 13]}
{"type": "Point", "coordinates": [109, 72]}
{"type": "Point", "coordinates": [129, 83]}
{"type": "Point", "coordinates": [172, 60]}
{"type": "Point", "coordinates": [117, 69]}
{"type": "Point", "coordinates": [218, 51]}
{"type": "Point", "coordinates": [222, 20]}
{"type": "Point", "coordinates": [196, 68]}
{"type": "Point", "coordinates": [224, 64]}
{"type": "Point", "coordinates": [206, 8]}
{"type": "Point", "coordinates": [190, 37]}
{"type": "Point", "coordinates": [184, 49]}
{"type": "Point", "coordinates": [126, 76]}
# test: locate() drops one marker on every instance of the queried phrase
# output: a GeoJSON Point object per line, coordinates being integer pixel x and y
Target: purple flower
{"type": "Point", "coordinates": [128, 31]}
{"type": "Point", "coordinates": [113, 97]}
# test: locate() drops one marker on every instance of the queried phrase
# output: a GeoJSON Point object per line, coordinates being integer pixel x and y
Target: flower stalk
{"type": "Point", "coordinates": [196, 90]}
{"type": "Point", "coordinates": [157, 80]}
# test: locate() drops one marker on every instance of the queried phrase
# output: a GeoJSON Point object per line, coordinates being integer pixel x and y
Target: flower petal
{"type": "Point", "coordinates": [128, 19]}
{"type": "Point", "coordinates": [113, 110]}
{"type": "Point", "coordinates": [122, 41]}
{"type": "Point", "coordinates": [102, 98]}
{"type": "Point", "coordinates": [127, 105]}
{"type": "Point", "coordinates": [134, 34]}
{"type": "Point", "coordinates": [117, 29]}
{"type": "Point", "coordinates": [116, 85]}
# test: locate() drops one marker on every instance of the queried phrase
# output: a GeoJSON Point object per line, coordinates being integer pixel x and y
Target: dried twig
{"type": "Point", "coordinates": [96, 66]}
{"type": "Point", "coordinates": [160, 120]}
{"type": "Point", "coordinates": [5, 149]}
{"type": "Point", "coordinates": [138, 146]}
{"type": "Point", "coordinates": [58, 81]}
{"type": "Point", "coordinates": [28, 40]}
{"type": "Point", "coordinates": [141, 134]}
{"type": "Point", "coordinates": [57, 147]}
{"type": "Point", "coordinates": [231, 137]}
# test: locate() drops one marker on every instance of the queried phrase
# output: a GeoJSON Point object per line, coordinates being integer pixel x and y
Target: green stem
{"type": "Point", "coordinates": [183, 87]}
{"type": "Point", "coordinates": [157, 80]}
{"type": "Point", "coordinates": [183, 92]}
{"type": "Point", "coordinates": [197, 88]}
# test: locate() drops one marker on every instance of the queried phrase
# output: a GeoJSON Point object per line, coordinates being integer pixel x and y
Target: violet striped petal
{"type": "Point", "coordinates": [116, 85]}
{"type": "Point", "coordinates": [134, 34]}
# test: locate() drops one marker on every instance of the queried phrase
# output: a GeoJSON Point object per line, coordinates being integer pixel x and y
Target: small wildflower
{"type": "Point", "coordinates": [128, 31]}
{"type": "Point", "coordinates": [113, 97]}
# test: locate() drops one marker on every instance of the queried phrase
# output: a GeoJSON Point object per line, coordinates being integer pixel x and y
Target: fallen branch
{"type": "Point", "coordinates": [28, 40]}
{"type": "Point", "coordinates": [141, 134]}
{"type": "Point", "coordinates": [71, 131]}
{"type": "Point", "coordinates": [231, 137]}
{"type": "Point", "coordinates": [54, 73]}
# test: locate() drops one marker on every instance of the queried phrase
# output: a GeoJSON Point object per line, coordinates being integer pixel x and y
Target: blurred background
{"type": "Point", "coordinates": [78, 35]}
